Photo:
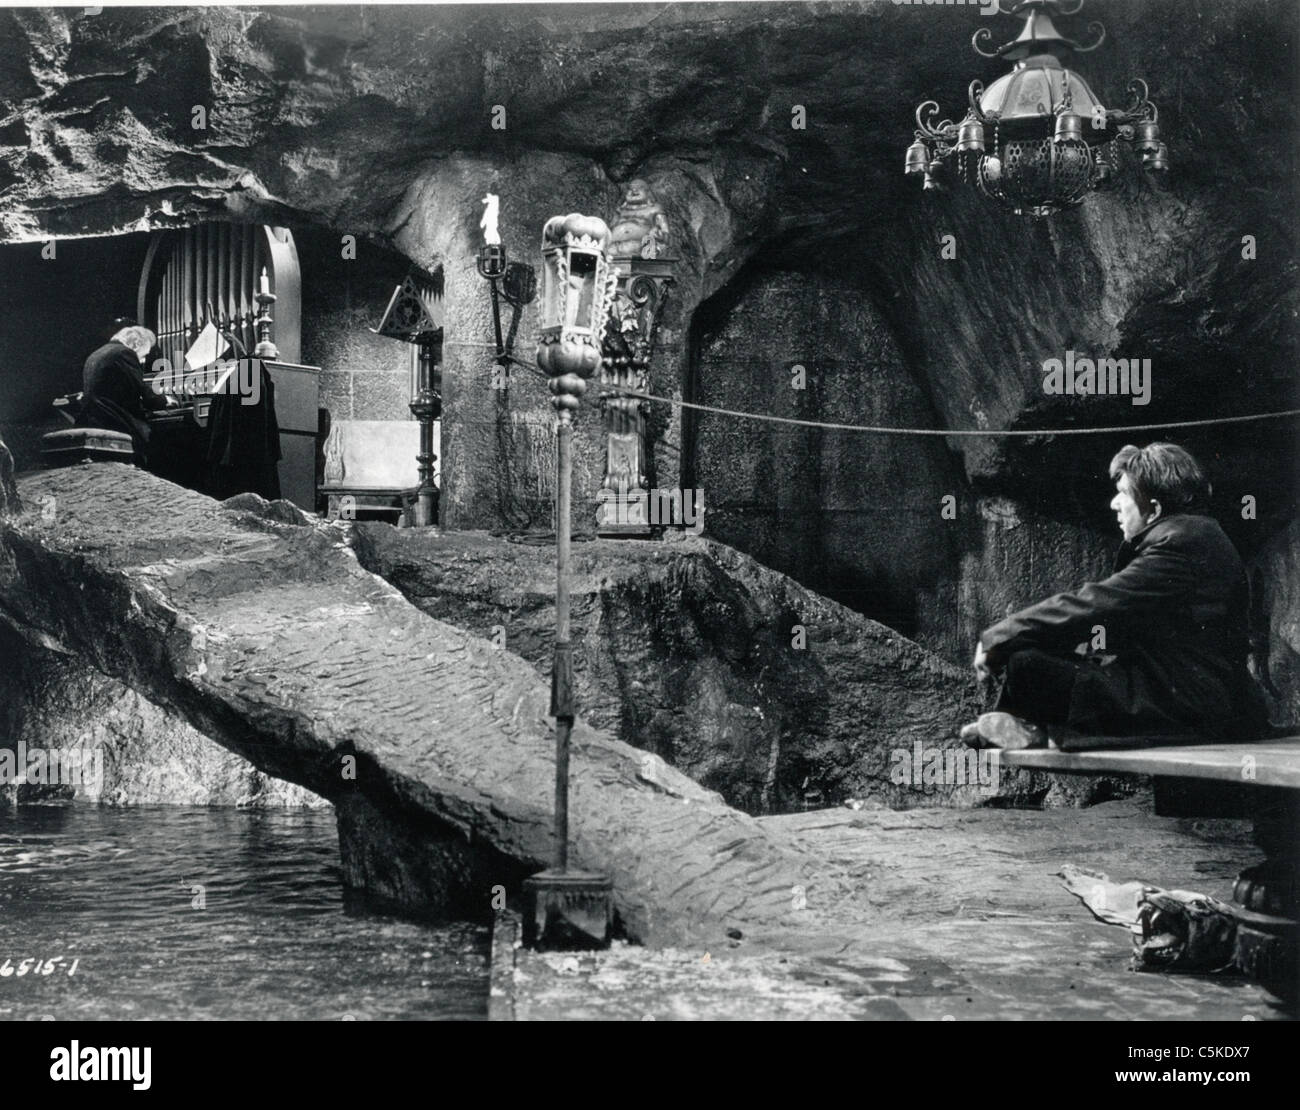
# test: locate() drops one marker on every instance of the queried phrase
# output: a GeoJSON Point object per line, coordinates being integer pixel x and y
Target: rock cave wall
{"type": "Point", "coordinates": [857, 517]}
{"type": "Point", "coordinates": [50, 700]}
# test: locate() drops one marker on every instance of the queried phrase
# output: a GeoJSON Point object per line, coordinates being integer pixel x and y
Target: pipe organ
{"type": "Point", "coordinates": [212, 273]}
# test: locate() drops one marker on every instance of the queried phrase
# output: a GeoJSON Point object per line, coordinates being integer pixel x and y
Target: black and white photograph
{"type": "Point", "coordinates": [599, 512]}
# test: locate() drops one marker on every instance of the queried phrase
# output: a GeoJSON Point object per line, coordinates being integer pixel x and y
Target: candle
{"type": "Point", "coordinates": [491, 208]}
{"type": "Point", "coordinates": [266, 285]}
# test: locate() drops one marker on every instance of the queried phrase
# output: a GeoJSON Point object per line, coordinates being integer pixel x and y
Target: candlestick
{"type": "Point", "coordinates": [266, 347]}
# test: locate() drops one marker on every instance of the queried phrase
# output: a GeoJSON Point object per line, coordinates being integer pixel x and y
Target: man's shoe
{"type": "Point", "coordinates": [1002, 730]}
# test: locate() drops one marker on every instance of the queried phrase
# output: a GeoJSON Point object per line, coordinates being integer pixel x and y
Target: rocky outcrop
{"type": "Point", "coordinates": [9, 501]}
{"type": "Point", "coordinates": [1275, 589]}
{"type": "Point", "coordinates": [52, 700]}
{"type": "Point", "coordinates": [777, 698]}
{"type": "Point", "coordinates": [434, 747]}
{"type": "Point", "coordinates": [145, 756]}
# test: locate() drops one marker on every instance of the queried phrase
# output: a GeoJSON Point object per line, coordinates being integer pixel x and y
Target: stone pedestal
{"type": "Point", "coordinates": [567, 909]}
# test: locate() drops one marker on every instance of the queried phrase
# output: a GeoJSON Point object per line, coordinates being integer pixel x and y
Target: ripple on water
{"type": "Point", "coordinates": [180, 912]}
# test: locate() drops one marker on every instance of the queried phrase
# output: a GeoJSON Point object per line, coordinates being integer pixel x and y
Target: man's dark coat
{"type": "Point", "coordinates": [115, 395]}
{"type": "Point", "coordinates": [1175, 617]}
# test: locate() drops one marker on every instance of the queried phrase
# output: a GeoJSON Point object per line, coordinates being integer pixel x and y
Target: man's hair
{"type": "Point", "coordinates": [136, 337]}
{"type": "Point", "coordinates": [1162, 472]}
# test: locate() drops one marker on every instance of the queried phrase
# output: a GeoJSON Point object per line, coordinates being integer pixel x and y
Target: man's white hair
{"type": "Point", "coordinates": [137, 338]}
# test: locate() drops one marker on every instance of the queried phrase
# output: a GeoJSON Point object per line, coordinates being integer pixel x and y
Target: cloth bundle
{"type": "Point", "coordinates": [1173, 930]}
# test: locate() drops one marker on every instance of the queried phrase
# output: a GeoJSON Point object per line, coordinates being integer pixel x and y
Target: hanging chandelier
{"type": "Point", "coordinates": [1038, 139]}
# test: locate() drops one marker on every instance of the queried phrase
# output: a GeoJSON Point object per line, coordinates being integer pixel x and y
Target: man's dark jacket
{"type": "Point", "coordinates": [115, 395]}
{"type": "Point", "coordinates": [1175, 615]}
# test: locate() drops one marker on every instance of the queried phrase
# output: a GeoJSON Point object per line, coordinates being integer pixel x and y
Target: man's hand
{"type": "Point", "coordinates": [982, 669]}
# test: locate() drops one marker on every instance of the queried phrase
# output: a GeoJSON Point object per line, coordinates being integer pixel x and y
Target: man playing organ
{"type": "Point", "coordinates": [115, 394]}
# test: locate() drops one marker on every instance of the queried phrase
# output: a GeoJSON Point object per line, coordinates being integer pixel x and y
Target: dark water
{"type": "Point", "coordinates": [113, 890]}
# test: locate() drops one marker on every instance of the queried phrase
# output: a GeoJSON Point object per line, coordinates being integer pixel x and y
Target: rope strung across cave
{"type": "Point", "coordinates": [878, 429]}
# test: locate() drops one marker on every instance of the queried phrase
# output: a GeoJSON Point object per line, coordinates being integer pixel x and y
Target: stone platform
{"type": "Point", "coordinates": [969, 922]}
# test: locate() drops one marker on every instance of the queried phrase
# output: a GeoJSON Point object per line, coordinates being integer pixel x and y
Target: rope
{"type": "Point", "coordinates": [881, 430]}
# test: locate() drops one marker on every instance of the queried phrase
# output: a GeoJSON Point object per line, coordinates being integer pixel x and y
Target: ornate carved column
{"type": "Point", "coordinates": [629, 345]}
{"type": "Point", "coordinates": [640, 230]}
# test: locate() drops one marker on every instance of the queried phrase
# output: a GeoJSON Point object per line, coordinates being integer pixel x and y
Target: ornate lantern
{"type": "Point", "coordinates": [577, 286]}
{"type": "Point", "coordinates": [1052, 140]}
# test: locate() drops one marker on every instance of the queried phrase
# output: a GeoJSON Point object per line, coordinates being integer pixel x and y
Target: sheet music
{"type": "Point", "coordinates": [207, 348]}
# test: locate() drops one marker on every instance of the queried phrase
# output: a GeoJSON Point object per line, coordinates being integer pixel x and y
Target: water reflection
{"type": "Point", "coordinates": [164, 912]}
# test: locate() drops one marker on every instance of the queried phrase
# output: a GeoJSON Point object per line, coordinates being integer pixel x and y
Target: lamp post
{"type": "Point", "coordinates": [564, 908]}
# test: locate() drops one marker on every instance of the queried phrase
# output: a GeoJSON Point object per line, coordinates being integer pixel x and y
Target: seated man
{"type": "Point", "coordinates": [1174, 616]}
{"type": "Point", "coordinates": [115, 395]}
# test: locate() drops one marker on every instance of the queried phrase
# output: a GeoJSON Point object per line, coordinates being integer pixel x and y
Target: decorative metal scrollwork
{"type": "Point", "coordinates": [983, 35]}
{"type": "Point", "coordinates": [942, 130]}
{"type": "Point", "coordinates": [1095, 27]}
